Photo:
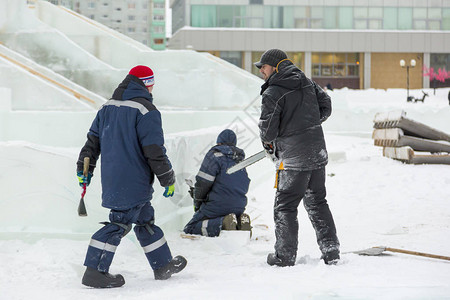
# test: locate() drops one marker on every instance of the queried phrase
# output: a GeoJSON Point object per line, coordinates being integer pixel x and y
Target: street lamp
{"type": "Point", "coordinates": [412, 64]}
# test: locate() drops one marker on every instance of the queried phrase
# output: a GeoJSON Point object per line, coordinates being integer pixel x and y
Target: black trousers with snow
{"type": "Point", "coordinates": [293, 186]}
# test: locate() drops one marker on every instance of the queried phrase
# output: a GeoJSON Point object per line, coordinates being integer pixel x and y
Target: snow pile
{"type": "Point", "coordinates": [375, 201]}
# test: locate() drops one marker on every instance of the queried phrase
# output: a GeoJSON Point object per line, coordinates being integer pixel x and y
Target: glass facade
{"type": "Point", "coordinates": [335, 64]}
{"type": "Point", "coordinates": [234, 57]}
{"type": "Point", "coordinates": [321, 17]}
{"type": "Point", "coordinates": [440, 61]}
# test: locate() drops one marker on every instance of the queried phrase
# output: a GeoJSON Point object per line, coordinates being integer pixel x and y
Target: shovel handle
{"type": "Point", "coordinates": [417, 253]}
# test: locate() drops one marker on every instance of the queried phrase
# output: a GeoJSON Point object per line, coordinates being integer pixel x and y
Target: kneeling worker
{"type": "Point", "coordinates": [220, 198]}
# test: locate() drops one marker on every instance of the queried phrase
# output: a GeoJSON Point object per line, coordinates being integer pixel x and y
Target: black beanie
{"type": "Point", "coordinates": [271, 57]}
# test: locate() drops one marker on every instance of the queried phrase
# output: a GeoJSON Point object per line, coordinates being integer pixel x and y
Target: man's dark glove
{"type": "Point", "coordinates": [269, 148]}
{"type": "Point", "coordinates": [270, 151]}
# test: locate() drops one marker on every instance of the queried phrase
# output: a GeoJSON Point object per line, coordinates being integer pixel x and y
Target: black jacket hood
{"type": "Point", "coordinates": [288, 76]}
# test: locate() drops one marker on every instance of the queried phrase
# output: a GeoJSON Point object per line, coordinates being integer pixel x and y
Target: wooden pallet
{"type": "Point", "coordinates": [397, 119]}
{"type": "Point", "coordinates": [395, 137]}
{"type": "Point", "coordinates": [408, 155]}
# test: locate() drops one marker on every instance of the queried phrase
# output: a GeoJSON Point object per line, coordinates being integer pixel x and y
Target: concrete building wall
{"type": "Point", "coordinates": [319, 40]}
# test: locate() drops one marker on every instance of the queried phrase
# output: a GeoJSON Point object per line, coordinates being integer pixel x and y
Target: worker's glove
{"type": "Point", "coordinates": [197, 204]}
{"type": "Point", "coordinates": [84, 179]}
{"type": "Point", "coordinates": [270, 151]}
{"type": "Point", "coordinates": [169, 190]}
{"type": "Point", "coordinates": [323, 119]}
{"type": "Point", "coordinates": [191, 192]}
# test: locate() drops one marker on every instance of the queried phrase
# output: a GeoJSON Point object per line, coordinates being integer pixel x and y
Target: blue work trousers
{"type": "Point", "coordinates": [104, 242]}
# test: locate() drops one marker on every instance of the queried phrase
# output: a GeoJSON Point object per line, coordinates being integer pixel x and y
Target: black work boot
{"type": "Point", "coordinates": [96, 279]}
{"type": "Point", "coordinates": [174, 266]}
{"type": "Point", "coordinates": [274, 260]}
{"type": "Point", "coordinates": [331, 257]}
{"type": "Point", "coordinates": [229, 222]}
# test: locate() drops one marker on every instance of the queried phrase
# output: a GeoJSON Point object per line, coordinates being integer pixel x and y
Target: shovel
{"type": "Point", "coordinates": [81, 206]}
{"type": "Point", "coordinates": [380, 249]}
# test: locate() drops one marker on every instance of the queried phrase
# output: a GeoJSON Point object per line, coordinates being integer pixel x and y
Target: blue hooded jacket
{"type": "Point", "coordinates": [222, 193]}
{"type": "Point", "coordinates": [127, 131]}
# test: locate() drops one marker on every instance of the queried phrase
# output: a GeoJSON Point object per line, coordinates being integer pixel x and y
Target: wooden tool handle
{"type": "Point", "coordinates": [417, 253]}
{"type": "Point", "coordinates": [86, 166]}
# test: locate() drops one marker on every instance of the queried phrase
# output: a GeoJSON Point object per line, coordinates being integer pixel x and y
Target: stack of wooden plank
{"type": "Point", "coordinates": [410, 141]}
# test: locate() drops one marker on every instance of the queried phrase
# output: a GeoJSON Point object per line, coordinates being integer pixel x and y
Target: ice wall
{"type": "Point", "coordinates": [38, 88]}
{"type": "Point", "coordinates": [40, 191]}
{"type": "Point", "coordinates": [98, 58]}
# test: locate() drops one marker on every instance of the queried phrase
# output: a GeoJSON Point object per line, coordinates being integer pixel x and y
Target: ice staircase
{"type": "Point", "coordinates": [410, 141]}
{"type": "Point", "coordinates": [33, 71]}
{"type": "Point", "coordinates": [98, 58]}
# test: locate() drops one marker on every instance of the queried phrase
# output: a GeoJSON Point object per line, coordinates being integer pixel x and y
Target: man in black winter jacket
{"type": "Point", "coordinates": [293, 109]}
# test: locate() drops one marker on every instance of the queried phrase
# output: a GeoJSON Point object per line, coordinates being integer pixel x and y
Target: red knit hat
{"type": "Point", "coordinates": [143, 73]}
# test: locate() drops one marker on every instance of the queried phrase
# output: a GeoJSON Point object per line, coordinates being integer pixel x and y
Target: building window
{"type": "Point", "coordinates": [345, 18]}
{"type": "Point", "coordinates": [158, 17]}
{"type": "Point", "coordinates": [158, 41]}
{"type": "Point", "coordinates": [131, 29]}
{"type": "Point", "coordinates": [225, 15]}
{"type": "Point", "coordinates": [335, 64]}
{"type": "Point", "coordinates": [158, 29]}
{"type": "Point", "coordinates": [131, 18]}
{"type": "Point", "coordinates": [368, 18]}
{"type": "Point", "coordinates": [300, 16]}
{"type": "Point", "coordinates": [440, 61]}
{"type": "Point", "coordinates": [318, 16]}
{"type": "Point", "coordinates": [446, 19]}
{"type": "Point", "coordinates": [249, 17]}
{"type": "Point", "coordinates": [434, 18]}
{"type": "Point", "coordinates": [234, 57]}
{"type": "Point", "coordinates": [131, 5]}
{"type": "Point", "coordinates": [91, 5]}
{"type": "Point", "coordinates": [330, 17]}
{"type": "Point", "coordinates": [405, 17]}
{"type": "Point", "coordinates": [203, 16]}
{"type": "Point", "coordinates": [158, 5]}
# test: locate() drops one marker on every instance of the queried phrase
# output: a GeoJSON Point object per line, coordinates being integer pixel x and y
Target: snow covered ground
{"type": "Point", "coordinates": [375, 201]}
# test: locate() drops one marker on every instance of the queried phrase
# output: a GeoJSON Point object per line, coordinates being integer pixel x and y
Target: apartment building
{"type": "Point", "coordinates": [142, 20]}
{"type": "Point", "coordinates": [347, 43]}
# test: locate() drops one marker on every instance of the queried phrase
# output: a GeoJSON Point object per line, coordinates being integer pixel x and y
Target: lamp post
{"type": "Point", "coordinates": [403, 64]}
